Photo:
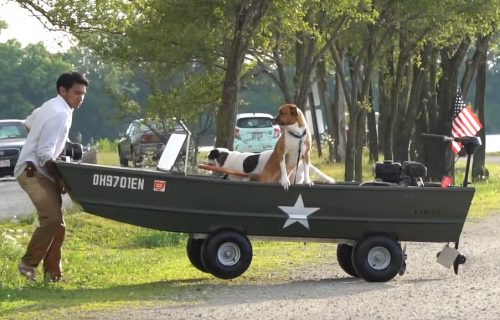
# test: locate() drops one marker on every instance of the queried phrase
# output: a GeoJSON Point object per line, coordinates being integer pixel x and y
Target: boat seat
{"type": "Point", "coordinates": [171, 151]}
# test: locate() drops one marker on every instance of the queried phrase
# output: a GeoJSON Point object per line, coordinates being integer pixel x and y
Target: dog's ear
{"type": "Point", "coordinates": [293, 110]}
{"type": "Point", "coordinates": [221, 159]}
{"type": "Point", "coordinates": [214, 153]}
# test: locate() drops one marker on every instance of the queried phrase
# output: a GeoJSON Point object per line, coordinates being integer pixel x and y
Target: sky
{"type": "Point", "coordinates": [26, 28]}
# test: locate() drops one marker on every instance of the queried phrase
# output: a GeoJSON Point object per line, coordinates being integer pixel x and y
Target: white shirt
{"type": "Point", "coordinates": [48, 132]}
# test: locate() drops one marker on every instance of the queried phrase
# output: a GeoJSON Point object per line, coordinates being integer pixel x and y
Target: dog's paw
{"type": "Point", "coordinates": [309, 183]}
{"type": "Point", "coordinates": [285, 182]}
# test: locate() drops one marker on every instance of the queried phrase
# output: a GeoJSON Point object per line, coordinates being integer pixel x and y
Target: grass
{"type": "Point", "coordinates": [110, 265]}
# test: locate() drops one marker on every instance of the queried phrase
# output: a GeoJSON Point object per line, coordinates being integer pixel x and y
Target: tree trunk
{"type": "Point", "coordinates": [423, 100]}
{"type": "Point", "coordinates": [479, 171]}
{"type": "Point", "coordinates": [384, 113]}
{"type": "Point", "coordinates": [407, 127]}
{"type": "Point", "coordinates": [470, 68]}
{"type": "Point", "coordinates": [248, 15]}
{"type": "Point", "coordinates": [339, 112]}
{"type": "Point", "coordinates": [440, 160]}
{"type": "Point", "coordinates": [395, 103]}
{"type": "Point", "coordinates": [329, 106]}
{"type": "Point", "coordinates": [230, 95]}
{"type": "Point", "coordinates": [360, 142]}
{"type": "Point", "coordinates": [372, 132]}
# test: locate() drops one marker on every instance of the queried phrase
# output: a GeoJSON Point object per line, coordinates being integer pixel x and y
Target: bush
{"type": "Point", "coordinates": [105, 145]}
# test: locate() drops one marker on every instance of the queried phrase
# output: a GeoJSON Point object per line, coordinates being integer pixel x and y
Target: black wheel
{"type": "Point", "coordinates": [377, 258]}
{"type": "Point", "coordinates": [193, 249]}
{"type": "Point", "coordinates": [226, 254]}
{"type": "Point", "coordinates": [344, 258]}
{"type": "Point", "coordinates": [123, 161]}
{"type": "Point", "coordinates": [135, 159]}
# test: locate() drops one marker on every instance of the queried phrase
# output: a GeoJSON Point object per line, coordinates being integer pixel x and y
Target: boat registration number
{"type": "Point", "coordinates": [112, 181]}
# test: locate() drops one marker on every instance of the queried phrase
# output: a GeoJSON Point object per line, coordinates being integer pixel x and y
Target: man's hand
{"type": "Point", "coordinates": [61, 185]}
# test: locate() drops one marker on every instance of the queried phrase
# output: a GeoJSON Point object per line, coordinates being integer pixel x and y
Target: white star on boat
{"type": "Point", "coordinates": [298, 213]}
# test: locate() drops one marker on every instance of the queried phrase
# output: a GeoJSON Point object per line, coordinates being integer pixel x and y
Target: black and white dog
{"type": "Point", "coordinates": [247, 162]}
{"type": "Point", "coordinates": [253, 164]}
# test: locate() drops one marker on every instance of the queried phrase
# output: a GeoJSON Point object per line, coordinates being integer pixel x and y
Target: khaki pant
{"type": "Point", "coordinates": [46, 242]}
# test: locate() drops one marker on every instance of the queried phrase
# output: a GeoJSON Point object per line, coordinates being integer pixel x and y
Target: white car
{"type": "Point", "coordinates": [255, 132]}
{"type": "Point", "coordinates": [13, 135]}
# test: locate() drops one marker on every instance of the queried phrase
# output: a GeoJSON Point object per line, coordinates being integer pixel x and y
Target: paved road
{"type": "Point", "coordinates": [15, 202]}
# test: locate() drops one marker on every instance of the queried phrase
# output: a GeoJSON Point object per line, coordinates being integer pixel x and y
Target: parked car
{"type": "Point", "coordinates": [13, 135]}
{"type": "Point", "coordinates": [144, 137]}
{"type": "Point", "coordinates": [255, 132]}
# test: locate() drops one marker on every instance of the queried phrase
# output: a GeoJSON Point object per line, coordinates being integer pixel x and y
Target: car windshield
{"type": "Point", "coordinates": [12, 130]}
{"type": "Point", "coordinates": [254, 123]}
{"type": "Point", "coordinates": [159, 127]}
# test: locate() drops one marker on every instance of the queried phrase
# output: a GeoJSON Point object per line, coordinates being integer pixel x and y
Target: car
{"type": "Point", "coordinates": [144, 138]}
{"type": "Point", "coordinates": [255, 132]}
{"type": "Point", "coordinates": [13, 135]}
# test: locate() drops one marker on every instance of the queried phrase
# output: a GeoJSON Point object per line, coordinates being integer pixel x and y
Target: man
{"type": "Point", "coordinates": [38, 175]}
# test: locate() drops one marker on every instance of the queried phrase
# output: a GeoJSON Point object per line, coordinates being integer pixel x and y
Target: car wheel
{"type": "Point", "coordinates": [135, 159]}
{"type": "Point", "coordinates": [226, 254]}
{"type": "Point", "coordinates": [377, 258]}
{"type": "Point", "coordinates": [344, 258]}
{"type": "Point", "coordinates": [123, 161]}
{"type": "Point", "coordinates": [193, 249]}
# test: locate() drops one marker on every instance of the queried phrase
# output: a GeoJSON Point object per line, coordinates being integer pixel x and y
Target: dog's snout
{"type": "Point", "coordinates": [276, 120]}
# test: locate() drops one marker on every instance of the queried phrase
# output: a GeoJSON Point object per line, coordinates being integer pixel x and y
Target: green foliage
{"type": "Point", "coordinates": [106, 145]}
{"type": "Point", "coordinates": [28, 77]}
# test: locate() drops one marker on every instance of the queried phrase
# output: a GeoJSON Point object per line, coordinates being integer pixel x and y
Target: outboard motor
{"type": "Point", "coordinates": [388, 171]}
{"type": "Point", "coordinates": [73, 150]}
{"type": "Point", "coordinates": [411, 173]}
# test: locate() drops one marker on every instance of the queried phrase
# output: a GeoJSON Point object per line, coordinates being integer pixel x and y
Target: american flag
{"type": "Point", "coordinates": [465, 122]}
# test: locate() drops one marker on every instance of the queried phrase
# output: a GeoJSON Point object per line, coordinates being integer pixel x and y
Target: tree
{"type": "Point", "coordinates": [28, 77]}
{"type": "Point", "coordinates": [165, 37]}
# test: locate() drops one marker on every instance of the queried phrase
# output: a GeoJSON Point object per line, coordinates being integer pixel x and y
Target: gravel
{"type": "Point", "coordinates": [426, 291]}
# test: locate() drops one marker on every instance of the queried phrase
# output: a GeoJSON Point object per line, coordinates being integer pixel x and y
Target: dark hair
{"type": "Point", "coordinates": [68, 79]}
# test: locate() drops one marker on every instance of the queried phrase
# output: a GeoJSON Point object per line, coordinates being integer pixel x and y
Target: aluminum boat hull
{"type": "Point", "coordinates": [202, 204]}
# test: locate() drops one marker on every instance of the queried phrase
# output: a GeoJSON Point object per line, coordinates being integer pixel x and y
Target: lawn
{"type": "Point", "coordinates": [110, 265]}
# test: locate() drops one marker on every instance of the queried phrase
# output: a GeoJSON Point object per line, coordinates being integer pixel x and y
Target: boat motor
{"type": "Point", "coordinates": [73, 150]}
{"type": "Point", "coordinates": [470, 144]}
{"type": "Point", "coordinates": [450, 256]}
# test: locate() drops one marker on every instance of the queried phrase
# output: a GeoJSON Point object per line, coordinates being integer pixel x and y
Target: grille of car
{"type": "Point", "coordinates": [9, 152]}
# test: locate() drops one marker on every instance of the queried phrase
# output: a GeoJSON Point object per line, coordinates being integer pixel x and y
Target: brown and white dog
{"type": "Point", "coordinates": [293, 146]}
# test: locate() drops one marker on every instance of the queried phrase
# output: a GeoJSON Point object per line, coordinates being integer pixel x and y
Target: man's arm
{"type": "Point", "coordinates": [54, 172]}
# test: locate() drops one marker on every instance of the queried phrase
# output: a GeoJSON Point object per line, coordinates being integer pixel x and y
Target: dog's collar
{"type": "Point", "coordinates": [298, 136]}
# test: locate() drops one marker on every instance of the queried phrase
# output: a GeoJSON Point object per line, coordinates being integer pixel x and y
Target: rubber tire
{"type": "Point", "coordinates": [365, 270]}
{"type": "Point", "coordinates": [193, 248]}
{"type": "Point", "coordinates": [123, 162]}
{"type": "Point", "coordinates": [135, 163]}
{"type": "Point", "coordinates": [344, 258]}
{"type": "Point", "coordinates": [210, 251]}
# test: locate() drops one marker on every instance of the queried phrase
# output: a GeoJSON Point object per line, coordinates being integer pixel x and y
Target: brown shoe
{"type": "Point", "coordinates": [27, 271]}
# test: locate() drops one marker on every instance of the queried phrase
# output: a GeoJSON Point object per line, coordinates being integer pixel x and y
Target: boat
{"type": "Point", "coordinates": [367, 220]}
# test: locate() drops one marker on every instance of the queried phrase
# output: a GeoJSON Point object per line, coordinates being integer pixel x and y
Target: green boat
{"type": "Point", "coordinates": [367, 220]}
